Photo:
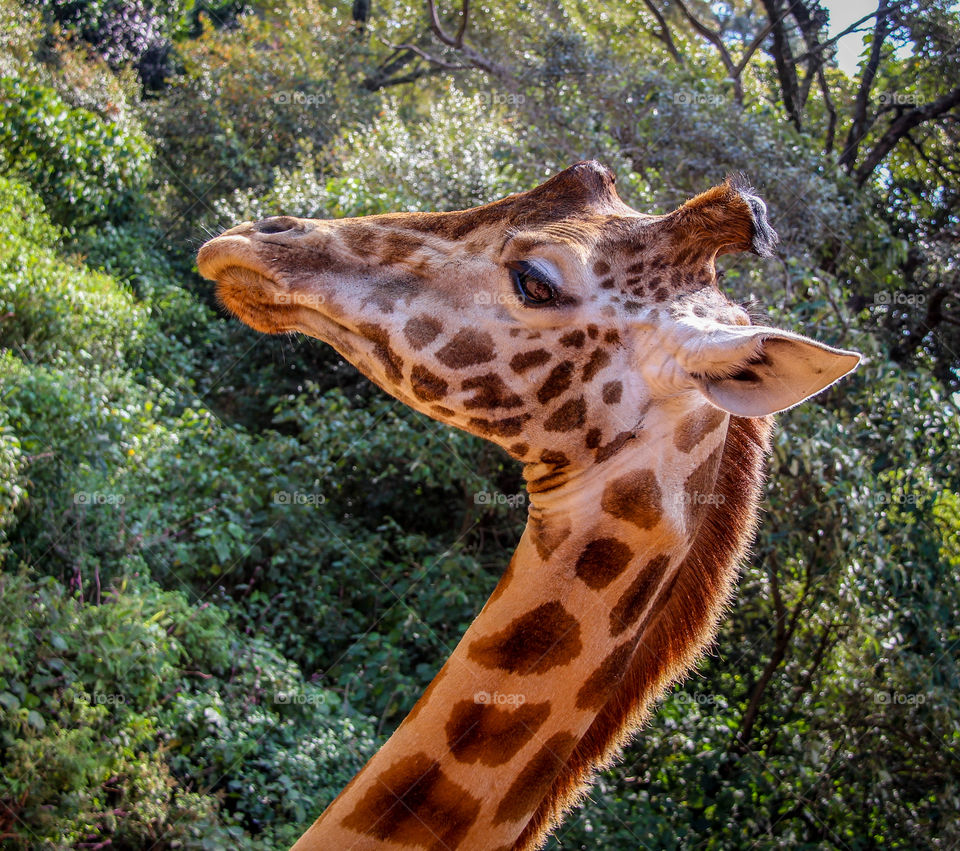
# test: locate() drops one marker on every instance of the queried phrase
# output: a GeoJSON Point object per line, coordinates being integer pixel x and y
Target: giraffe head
{"type": "Point", "coordinates": [549, 322]}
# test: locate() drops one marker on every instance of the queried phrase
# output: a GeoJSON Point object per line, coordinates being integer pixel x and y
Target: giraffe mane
{"type": "Point", "coordinates": [681, 627]}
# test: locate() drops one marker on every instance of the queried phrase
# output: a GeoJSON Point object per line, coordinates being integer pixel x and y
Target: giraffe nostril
{"type": "Point", "coordinates": [277, 224]}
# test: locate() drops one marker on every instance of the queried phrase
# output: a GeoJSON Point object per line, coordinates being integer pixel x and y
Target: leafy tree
{"type": "Point", "coordinates": [267, 559]}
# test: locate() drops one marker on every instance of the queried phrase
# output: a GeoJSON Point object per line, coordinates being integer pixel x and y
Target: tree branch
{"type": "Point", "coordinates": [901, 126]}
{"type": "Point", "coordinates": [474, 58]}
{"type": "Point", "coordinates": [831, 111]}
{"type": "Point", "coordinates": [833, 40]}
{"type": "Point", "coordinates": [784, 62]}
{"type": "Point", "coordinates": [860, 125]}
{"type": "Point", "coordinates": [442, 64]}
{"type": "Point", "coordinates": [375, 83]}
{"type": "Point", "coordinates": [913, 336]}
{"type": "Point", "coordinates": [811, 24]}
{"type": "Point", "coordinates": [745, 730]}
{"type": "Point", "coordinates": [664, 33]}
{"type": "Point", "coordinates": [757, 41]}
{"type": "Point", "coordinates": [714, 37]}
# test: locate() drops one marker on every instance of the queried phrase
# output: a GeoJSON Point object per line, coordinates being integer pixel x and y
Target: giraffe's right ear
{"type": "Point", "coordinates": [753, 371]}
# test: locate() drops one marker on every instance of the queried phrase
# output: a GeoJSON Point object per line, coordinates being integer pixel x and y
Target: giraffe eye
{"type": "Point", "coordinates": [534, 288]}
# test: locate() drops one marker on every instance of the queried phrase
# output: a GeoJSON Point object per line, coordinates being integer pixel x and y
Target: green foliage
{"type": "Point", "coordinates": [92, 696]}
{"type": "Point", "coordinates": [12, 491]}
{"type": "Point", "coordinates": [55, 308]}
{"type": "Point", "coordinates": [78, 687]}
{"type": "Point", "coordinates": [274, 747]}
{"type": "Point", "coordinates": [228, 566]}
{"type": "Point", "coordinates": [459, 154]}
{"type": "Point", "coordinates": [85, 169]}
{"type": "Point", "coordinates": [247, 103]}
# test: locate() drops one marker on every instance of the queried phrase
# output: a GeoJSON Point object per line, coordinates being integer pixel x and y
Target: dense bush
{"type": "Point", "coordinates": [124, 32]}
{"type": "Point", "coordinates": [86, 169]}
{"type": "Point", "coordinates": [458, 155]}
{"type": "Point", "coordinates": [247, 103]}
{"type": "Point", "coordinates": [54, 308]}
{"type": "Point", "coordinates": [93, 695]}
{"type": "Point", "coordinates": [79, 686]}
{"type": "Point", "coordinates": [109, 673]}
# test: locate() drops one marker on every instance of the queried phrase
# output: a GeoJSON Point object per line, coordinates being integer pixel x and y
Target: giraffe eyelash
{"type": "Point", "coordinates": [534, 286]}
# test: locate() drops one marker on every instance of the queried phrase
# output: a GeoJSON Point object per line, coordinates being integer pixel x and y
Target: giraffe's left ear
{"type": "Point", "coordinates": [753, 371]}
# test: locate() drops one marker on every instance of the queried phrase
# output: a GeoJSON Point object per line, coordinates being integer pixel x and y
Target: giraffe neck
{"type": "Point", "coordinates": [497, 743]}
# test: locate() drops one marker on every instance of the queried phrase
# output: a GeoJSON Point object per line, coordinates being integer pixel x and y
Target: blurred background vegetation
{"type": "Point", "coordinates": [191, 657]}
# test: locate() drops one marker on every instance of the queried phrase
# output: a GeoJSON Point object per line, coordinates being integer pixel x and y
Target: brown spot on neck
{"type": "Point", "coordinates": [612, 391]}
{"type": "Point", "coordinates": [413, 803]}
{"type": "Point", "coordinates": [603, 682]}
{"type": "Point", "coordinates": [491, 392]}
{"type": "Point", "coordinates": [635, 497]}
{"type": "Point", "coordinates": [635, 599]}
{"type": "Point", "coordinates": [382, 351]}
{"type": "Point", "coordinates": [479, 731]}
{"type": "Point", "coordinates": [535, 779]}
{"type": "Point", "coordinates": [544, 638]}
{"type": "Point", "coordinates": [696, 425]}
{"type": "Point", "coordinates": [523, 361]}
{"type": "Point", "coordinates": [558, 381]}
{"type": "Point", "coordinates": [554, 458]}
{"type": "Point", "coordinates": [426, 386]}
{"type": "Point", "coordinates": [570, 415]}
{"type": "Point", "coordinates": [507, 427]}
{"type": "Point", "coordinates": [573, 339]}
{"type": "Point", "coordinates": [518, 450]}
{"type": "Point", "coordinates": [598, 360]}
{"type": "Point", "coordinates": [548, 533]}
{"type": "Point", "coordinates": [601, 561]}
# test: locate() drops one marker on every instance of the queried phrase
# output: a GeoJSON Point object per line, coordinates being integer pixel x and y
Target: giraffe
{"type": "Point", "coordinates": [593, 344]}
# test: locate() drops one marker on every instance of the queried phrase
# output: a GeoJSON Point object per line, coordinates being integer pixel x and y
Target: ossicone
{"type": "Point", "coordinates": [724, 219]}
